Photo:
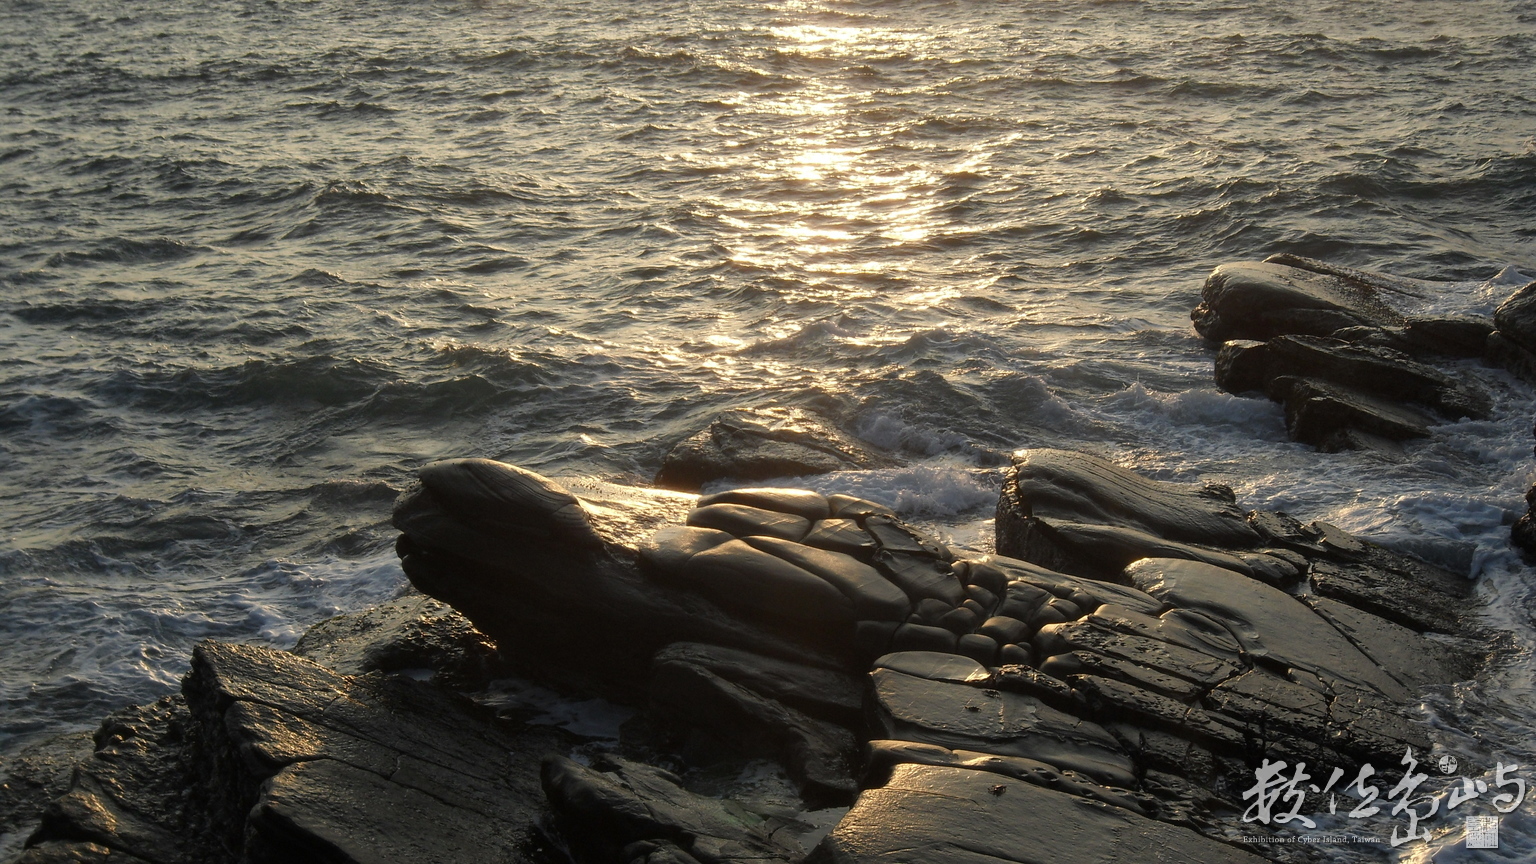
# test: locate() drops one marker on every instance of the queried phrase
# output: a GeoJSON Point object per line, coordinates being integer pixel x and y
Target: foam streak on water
{"type": "Point", "coordinates": [260, 260]}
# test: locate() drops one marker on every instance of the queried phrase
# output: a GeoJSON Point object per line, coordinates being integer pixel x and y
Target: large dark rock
{"type": "Point", "coordinates": [1448, 336]}
{"type": "Point", "coordinates": [1218, 659]}
{"type": "Point", "coordinates": [564, 595]}
{"type": "Point", "coordinates": [1078, 489]}
{"type": "Point", "coordinates": [1334, 417]}
{"type": "Point", "coordinates": [753, 444]}
{"type": "Point", "coordinates": [1319, 338]}
{"type": "Point", "coordinates": [1273, 628]}
{"type": "Point", "coordinates": [1341, 396]}
{"type": "Point", "coordinates": [1291, 295]}
{"type": "Point", "coordinates": [1068, 486]}
{"type": "Point", "coordinates": [271, 758]}
{"type": "Point", "coordinates": [1513, 344]}
{"type": "Point", "coordinates": [1243, 366]}
{"type": "Point", "coordinates": [1504, 353]}
{"type": "Point", "coordinates": [1078, 513]}
{"type": "Point", "coordinates": [1523, 532]}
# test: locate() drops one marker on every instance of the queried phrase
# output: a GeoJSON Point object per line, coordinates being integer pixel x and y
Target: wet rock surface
{"type": "Point", "coordinates": [1277, 298]}
{"type": "Point", "coordinates": [1101, 689]}
{"type": "Point", "coordinates": [31, 777]}
{"type": "Point", "coordinates": [1225, 637]}
{"type": "Point", "coordinates": [1321, 340]}
{"type": "Point", "coordinates": [928, 813]}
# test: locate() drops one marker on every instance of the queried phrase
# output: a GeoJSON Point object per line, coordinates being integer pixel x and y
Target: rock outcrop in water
{"type": "Point", "coordinates": [1102, 690]}
{"type": "Point", "coordinates": [753, 444]}
{"type": "Point", "coordinates": [1513, 342]}
{"type": "Point", "coordinates": [1347, 367]}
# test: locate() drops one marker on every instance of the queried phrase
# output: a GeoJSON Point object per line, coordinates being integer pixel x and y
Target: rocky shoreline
{"type": "Point", "coordinates": [1102, 687]}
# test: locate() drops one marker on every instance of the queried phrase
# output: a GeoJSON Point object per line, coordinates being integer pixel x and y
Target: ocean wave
{"type": "Point", "coordinates": [322, 380]}
{"type": "Point", "coordinates": [93, 310]}
{"type": "Point", "coordinates": [127, 250]}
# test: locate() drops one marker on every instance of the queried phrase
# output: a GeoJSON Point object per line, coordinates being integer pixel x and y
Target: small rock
{"type": "Point", "coordinates": [762, 444]}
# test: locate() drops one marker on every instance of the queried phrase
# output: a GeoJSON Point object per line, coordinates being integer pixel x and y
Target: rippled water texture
{"type": "Point", "coordinates": [262, 260]}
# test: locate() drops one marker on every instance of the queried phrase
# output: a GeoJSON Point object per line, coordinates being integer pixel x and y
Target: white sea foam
{"type": "Point", "coordinates": [891, 432]}
{"type": "Point", "coordinates": [1475, 298]}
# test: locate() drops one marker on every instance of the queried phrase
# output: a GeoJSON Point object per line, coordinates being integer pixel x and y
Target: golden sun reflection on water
{"type": "Point", "coordinates": [838, 188]}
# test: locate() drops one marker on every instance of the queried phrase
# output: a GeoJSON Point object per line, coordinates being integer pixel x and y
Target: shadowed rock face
{"type": "Point", "coordinates": [268, 758]}
{"type": "Point", "coordinates": [561, 587]}
{"type": "Point", "coordinates": [1513, 343]}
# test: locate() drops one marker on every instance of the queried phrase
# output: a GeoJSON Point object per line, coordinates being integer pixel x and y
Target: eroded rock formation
{"type": "Point", "coordinates": [1102, 690]}
{"type": "Point", "coordinates": [1347, 366]}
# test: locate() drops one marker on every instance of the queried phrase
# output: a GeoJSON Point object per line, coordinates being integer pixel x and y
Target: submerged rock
{"type": "Point", "coordinates": [752, 444]}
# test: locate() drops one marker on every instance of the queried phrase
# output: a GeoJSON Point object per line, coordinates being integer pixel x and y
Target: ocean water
{"type": "Point", "coordinates": [261, 260]}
